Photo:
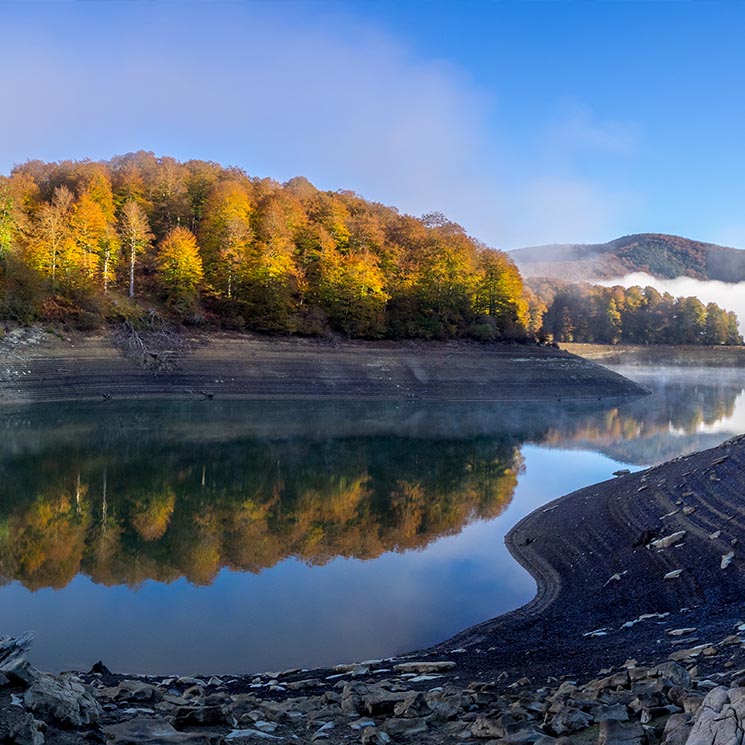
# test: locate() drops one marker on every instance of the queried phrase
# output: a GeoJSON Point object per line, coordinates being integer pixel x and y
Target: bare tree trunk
{"type": "Point", "coordinates": [132, 270]}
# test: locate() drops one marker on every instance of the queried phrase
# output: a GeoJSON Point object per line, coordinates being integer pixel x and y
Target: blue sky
{"type": "Point", "coordinates": [527, 122]}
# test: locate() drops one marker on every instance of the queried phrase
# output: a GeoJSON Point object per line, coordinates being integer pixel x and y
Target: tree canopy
{"type": "Point", "coordinates": [81, 241]}
{"type": "Point", "coordinates": [614, 315]}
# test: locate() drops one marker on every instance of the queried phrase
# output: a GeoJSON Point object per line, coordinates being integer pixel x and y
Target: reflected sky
{"type": "Point", "coordinates": [428, 580]}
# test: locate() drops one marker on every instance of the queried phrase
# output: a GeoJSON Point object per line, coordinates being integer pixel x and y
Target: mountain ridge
{"type": "Point", "coordinates": [659, 254]}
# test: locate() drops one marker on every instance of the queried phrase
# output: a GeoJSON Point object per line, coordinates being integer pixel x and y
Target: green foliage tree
{"type": "Point", "coordinates": [612, 315]}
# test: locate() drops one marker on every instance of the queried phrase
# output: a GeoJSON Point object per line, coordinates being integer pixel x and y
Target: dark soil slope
{"type": "Point", "coordinates": [622, 564]}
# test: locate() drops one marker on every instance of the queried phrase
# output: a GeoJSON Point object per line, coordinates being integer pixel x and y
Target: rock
{"type": "Point", "coordinates": [616, 712]}
{"type": "Point", "coordinates": [323, 732]}
{"type": "Point", "coordinates": [677, 730]}
{"type": "Point", "coordinates": [668, 540]}
{"type": "Point", "coordinates": [363, 723]}
{"type": "Point", "coordinates": [19, 727]}
{"type": "Point", "coordinates": [726, 559]}
{"type": "Point", "coordinates": [13, 663]}
{"type": "Point", "coordinates": [373, 736]}
{"type": "Point", "coordinates": [673, 674]}
{"type": "Point", "coordinates": [718, 721]}
{"type": "Point", "coordinates": [412, 705]}
{"type": "Point", "coordinates": [569, 720]}
{"type": "Point", "coordinates": [99, 669]}
{"type": "Point", "coordinates": [200, 716]}
{"type": "Point", "coordinates": [136, 691]}
{"type": "Point", "coordinates": [423, 667]}
{"type": "Point", "coordinates": [486, 727]}
{"type": "Point", "coordinates": [615, 733]}
{"type": "Point", "coordinates": [62, 700]}
{"type": "Point", "coordinates": [240, 734]}
{"type": "Point", "coordinates": [156, 732]}
{"type": "Point", "coordinates": [684, 654]}
{"type": "Point", "coordinates": [406, 727]}
{"type": "Point", "coordinates": [682, 632]}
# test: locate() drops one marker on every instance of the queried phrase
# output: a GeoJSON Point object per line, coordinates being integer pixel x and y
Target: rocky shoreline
{"type": "Point", "coordinates": [39, 366]}
{"type": "Point", "coordinates": [636, 636]}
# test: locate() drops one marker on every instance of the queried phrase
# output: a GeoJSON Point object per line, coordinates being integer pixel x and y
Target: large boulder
{"type": "Point", "coordinates": [721, 718]}
{"type": "Point", "coordinates": [63, 700]}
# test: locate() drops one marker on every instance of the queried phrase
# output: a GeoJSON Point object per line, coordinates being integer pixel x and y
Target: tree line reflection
{"type": "Point", "coordinates": [133, 494]}
{"type": "Point", "coordinates": [191, 510]}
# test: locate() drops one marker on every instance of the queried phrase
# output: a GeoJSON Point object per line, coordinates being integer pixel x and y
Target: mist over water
{"type": "Point", "coordinates": [728, 295]}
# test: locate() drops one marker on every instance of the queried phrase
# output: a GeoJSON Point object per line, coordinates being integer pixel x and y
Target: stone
{"type": "Point", "coordinates": [569, 720]}
{"type": "Point", "coordinates": [668, 540]}
{"type": "Point", "coordinates": [19, 727]}
{"type": "Point", "coordinates": [155, 732]}
{"type": "Point", "coordinates": [486, 727]}
{"type": "Point", "coordinates": [362, 723]}
{"type": "Point", "coordinates": [62, 700]}
{"type": "Point", "coordinates": [405, 727]}
{"type": "Point", "coordinates": [99, 669]}
{"type": "Point", "coordinates": [412, 705]}
{"type": "Point", "coordinates": [719, 719]}
{"type": "Point", "coordinates": [13, 663]}
{"type": "Point", "coordinates": [684, 654]}
{"type": "Point", "coordinates": [374, 736]}
{"type": "Point", "coordinates": [617, 712]}
{"type": "Point", "coordinates": [382, 704]}
{"type": "Point", "coordinates": [423, 667]}
{"type": "Point", "coordinates": [615, 733]}
{"type": "Point", "coordinates": [677, 729]}
{"type": "Point", "coordinates": [726, 559]}
{"type": "Point", "coordinates": [137, 691]}
{"type": "Point", "coordinates": [201, 716]}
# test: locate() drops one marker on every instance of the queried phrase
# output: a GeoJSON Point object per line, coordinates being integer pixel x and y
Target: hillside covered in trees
{"type": "Point", "coordinates": [585, 313]}
{"type": "Point", "coordinates": [660, 255]}
{"type": "Point", "coordinates": [85, 242]}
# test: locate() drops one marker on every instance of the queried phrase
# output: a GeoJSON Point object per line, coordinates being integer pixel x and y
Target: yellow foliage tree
{"type": "Point", "coordinates": [179, 266]}
{"type": "Point", "coordinates": [226, 234]}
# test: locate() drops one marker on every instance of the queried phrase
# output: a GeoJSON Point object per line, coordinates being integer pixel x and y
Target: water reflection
{"type": "Point", "coordinates": [282, 533]}
{"type": "Point", "coordinates": [689, 410]}
{"type": "Point", "coordinates": [121, 510]}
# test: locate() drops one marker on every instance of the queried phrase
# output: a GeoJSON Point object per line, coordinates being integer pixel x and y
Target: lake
{"type": "Point", "coordinates": [236, 537]}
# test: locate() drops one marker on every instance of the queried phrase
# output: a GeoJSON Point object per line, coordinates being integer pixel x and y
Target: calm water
{"type": "Point", "coordinates": [224, 537]}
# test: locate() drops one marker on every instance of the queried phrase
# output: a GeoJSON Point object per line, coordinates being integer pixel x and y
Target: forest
{"type": "Point", "coordinates": [140, 237]}
{"type": "Point", "coordinates": [586, 313]}
{"type": "Point", "coordinates": [89, 242]}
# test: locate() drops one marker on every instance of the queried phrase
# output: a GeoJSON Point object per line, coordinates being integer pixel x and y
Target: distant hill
{"type": "Point", "coordinates": [663, 256]}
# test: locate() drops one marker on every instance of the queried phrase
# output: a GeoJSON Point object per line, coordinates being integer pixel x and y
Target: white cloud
{"type": "Point", "coordinates": [282, 94]}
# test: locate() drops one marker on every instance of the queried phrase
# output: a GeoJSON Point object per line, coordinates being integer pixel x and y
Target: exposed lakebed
{"type": "Point", "coordinates": [210, 536]}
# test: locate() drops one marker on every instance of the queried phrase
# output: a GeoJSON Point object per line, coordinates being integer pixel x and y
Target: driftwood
{"type": "Point", "coordinates": [152, 343]}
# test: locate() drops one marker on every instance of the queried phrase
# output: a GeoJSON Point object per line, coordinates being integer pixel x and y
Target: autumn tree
{"type": "Point", "coordinates": [52, 248]}
{"type": "Point", "coordinates": [179, 266]}
{"type": "Point", "coordinates": [136, 236]}
{"type": "Point", "coordinates": [226, 234]}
